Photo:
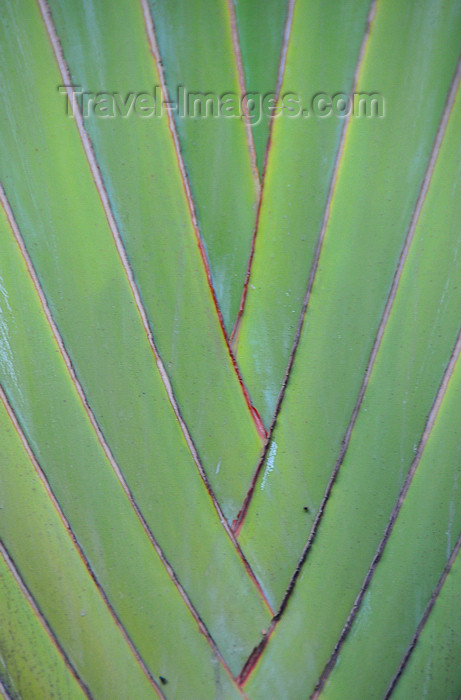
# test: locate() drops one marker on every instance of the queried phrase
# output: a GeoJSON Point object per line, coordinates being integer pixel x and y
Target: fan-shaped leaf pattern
{"type": "Point", "coordinates": [348, 301]}
{"type": "Point", "coordinates": [149, 526]}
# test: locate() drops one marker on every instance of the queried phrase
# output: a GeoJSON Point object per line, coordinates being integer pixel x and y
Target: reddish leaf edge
{"type": "Point", "coordinates": [238, 522]}
{"type": "Point", "coordinates": [449, 103]}
{"type": "Point", "coordinates": [281, 71]}
{"type": "Point", "coordinates": [153, 44]}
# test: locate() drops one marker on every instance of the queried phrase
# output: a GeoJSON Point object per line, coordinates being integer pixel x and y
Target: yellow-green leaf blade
{"type": "Point", "coordinates": [429, 523]}
{"type": "Point", "coordinates": [30, 664]}
{"type": "Point", "coordinates": [404, 382]}
{"type": "Point", "coordinates": [417, 551]}
{"type": "Point", "coordinates": [40, 389]}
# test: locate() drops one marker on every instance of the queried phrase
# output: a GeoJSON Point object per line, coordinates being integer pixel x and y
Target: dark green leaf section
{"type": "Point", "coordinates": [365, 236]}
{"type": "Point", "coordinates": [430, 521]}
{"type": "Point", "coordinates": [322, 55]}
{"type": "Point", "coordinates": [195, 42]}
{"type": "Point", "coordinates": [63, 223]}
{"type": "Point", "coordinates": [140, 170]}
{"type": "Point", "coordinates": [31, 666]}
{"type": "Point", "coordinates": [434, 670]}
{"type": "Point", "coordinates": [261, 33]}
{"type": "Point", "coordinates": [53, 571]}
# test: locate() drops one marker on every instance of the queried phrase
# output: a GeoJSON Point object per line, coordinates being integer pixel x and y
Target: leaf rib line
{"type": "Point", "coordinates": [153, 44]}
{"type": "Point", "coordinates": [242, 86]}
{"type": "Point", "coordinates": [97, 177]}
{"type": "Point", "coordinates": [259, 649]}
{"type": "Point", "coordinates": [431, 419]}
{"type": "Point", "coordinates": [339, 153]}
{"type": "Point", "coordinates": [39, 615]}
{"type": "Point", "coordinates": [255, 655]}
{"type": "Point", "coordinates": [424, 619]}
{"type": "Point", "coordinates": [60, 513]}
{"type": "Point", "coordinates": [99, 183]}
{"type": "Point", "coordinates": [107, 451]}
{"type": "Point", "coordinates": [281, 71]}
{"type": "Point", "coordinates": [251, 662]}
{"type": "Point", "coordinates": [383, 324]}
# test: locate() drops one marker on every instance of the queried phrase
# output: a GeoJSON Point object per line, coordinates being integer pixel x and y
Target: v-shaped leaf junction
{"type": "Point", "coordinates": [229, 353]}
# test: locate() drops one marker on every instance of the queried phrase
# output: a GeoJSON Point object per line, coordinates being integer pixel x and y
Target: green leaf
{"type": "Point", "coordinates": [416, 553]}
{"type": "Point", "coordinates": [402, 385]}
{"type": "Point", "coordinates": [429, 304]}
{"type": "Point", "coordinates": [79, 268]}
{"type": "Point", "coordinates": [85, 482]}
{"type": "Point", "coordinates": [434, 670]}
{"type": "Point", "coordinates": [59, 428]}
{"type": "Point", "coordinates": [133, 244]}
{"type": "Point", "coordinates": [195, 43]}
{"type": "Point", "coordinates": [145, 191]}
{"type": "Point", "coordinates": [348, 302]}
{"type": "Point", "coordinates": [321, 57]}
{"type": "Point", "coordinates": [31, 665]}
{"type": "Point", "coordinates": [53, 571]}
{"type": "Point", "coordinates": [261, 35]}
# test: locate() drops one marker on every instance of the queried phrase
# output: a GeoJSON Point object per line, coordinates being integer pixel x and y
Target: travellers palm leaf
{"type": "Point", "coordinates": [229, 349]}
